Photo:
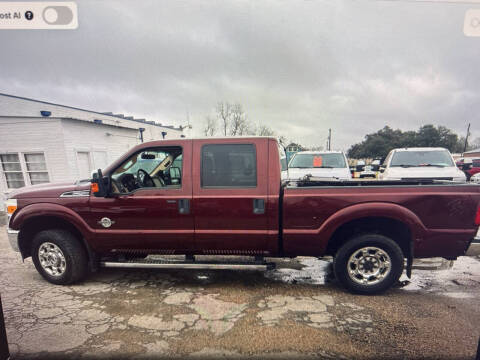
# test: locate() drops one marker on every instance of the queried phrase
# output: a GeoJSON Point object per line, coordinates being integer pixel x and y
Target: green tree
{"type": "Point", "coordinates": [378, 144]}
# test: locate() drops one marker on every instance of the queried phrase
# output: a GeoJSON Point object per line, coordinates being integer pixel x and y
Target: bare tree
{"type": "Point", "coordinates": [239, 122]}
{"type": "Point", "coordinates": [264, 130]}
{"type": "Point", "coordinates": [210, 126]}
{"type": "Point", "coordinates": [224, 113]}
{"type": "Point", "coordinates": [475, 144]}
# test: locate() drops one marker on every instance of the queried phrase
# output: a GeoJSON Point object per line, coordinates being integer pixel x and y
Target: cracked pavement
{"type": "Point", "coordinates": [291, 312]}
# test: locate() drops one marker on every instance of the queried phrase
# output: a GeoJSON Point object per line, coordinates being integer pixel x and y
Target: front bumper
{"type": "Point", "coordinates": [13, 239]}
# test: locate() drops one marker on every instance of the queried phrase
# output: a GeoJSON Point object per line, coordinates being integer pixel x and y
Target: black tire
{"type": "Point", "coordinates": [387, 245]}
{"type": "Point", "coordinates": [76, 259]}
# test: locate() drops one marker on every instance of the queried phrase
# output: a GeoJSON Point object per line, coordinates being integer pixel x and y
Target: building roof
{"type": "Point", "coordinates": [120, 116]}
{"type": "Point", "coordinates": [472, 151]}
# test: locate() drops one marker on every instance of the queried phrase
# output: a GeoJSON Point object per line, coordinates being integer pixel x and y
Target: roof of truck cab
{"type": "Point", "coordinates": [231, 137]}
{"type": "Point", "coordinates": [220, 140]}
{"type": "Point", "coordinates": [214, 138]}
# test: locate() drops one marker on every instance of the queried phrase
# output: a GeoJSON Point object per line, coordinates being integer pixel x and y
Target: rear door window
{"type": "Point", "coordinates": [229, 165]}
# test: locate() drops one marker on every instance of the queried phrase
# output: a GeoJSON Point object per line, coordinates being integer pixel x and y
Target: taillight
{"type": "Point", "coordinates": [477, 217]}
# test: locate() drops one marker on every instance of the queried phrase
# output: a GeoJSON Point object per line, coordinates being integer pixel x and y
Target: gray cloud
{"type": "Point", "coordinates": [300, 67]}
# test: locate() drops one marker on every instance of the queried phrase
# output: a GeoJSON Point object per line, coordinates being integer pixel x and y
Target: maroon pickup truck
{"type": "Point", "coordinates": [226, 197]}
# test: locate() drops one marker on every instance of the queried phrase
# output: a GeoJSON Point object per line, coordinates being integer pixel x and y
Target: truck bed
{"type": "Point", "coordinates": [437, 215]}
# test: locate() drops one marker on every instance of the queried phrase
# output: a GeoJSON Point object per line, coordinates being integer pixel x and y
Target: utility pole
{"type": "Point", "coordinates": [329, 139]}
{"type": "Point", "coordinates": [466, 138]}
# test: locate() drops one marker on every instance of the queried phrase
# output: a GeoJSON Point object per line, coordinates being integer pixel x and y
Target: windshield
{"type": "Point", "coordinates": [147, 161]}
{"type": "Point", "coordinates": [439, 158]}
{"type": "Point", "coordinates": [318, 161]}
{"type": "Point", "coordinates": [147, 165]}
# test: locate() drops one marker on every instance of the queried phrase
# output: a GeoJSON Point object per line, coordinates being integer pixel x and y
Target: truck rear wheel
{"type": "Point", "coordinates": [368, 264]}
{"type": "Point", "coordinates": [59, 257]}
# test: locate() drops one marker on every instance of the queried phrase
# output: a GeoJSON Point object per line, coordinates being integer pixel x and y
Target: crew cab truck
{"type": "Point", "coordinates": [225, 196]}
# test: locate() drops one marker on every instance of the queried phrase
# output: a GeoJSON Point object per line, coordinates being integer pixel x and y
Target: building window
{"type": "Point", "coordinates": [36, 168]}
{"type": "Point", "coordinates": [24, 169]}
{"type": "Point", "coordinates": [84, 165]}
{"type": "Point", "coordinates": [12, 170]}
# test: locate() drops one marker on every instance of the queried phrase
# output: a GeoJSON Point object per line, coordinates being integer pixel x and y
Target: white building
{"type": "Point", "coordinates": [45, 142]}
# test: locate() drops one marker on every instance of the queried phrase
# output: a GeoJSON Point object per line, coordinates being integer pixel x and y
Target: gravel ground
{"type": "Point", "coordinates": [291, 312]}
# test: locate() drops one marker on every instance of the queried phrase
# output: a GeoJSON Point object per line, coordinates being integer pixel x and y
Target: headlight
{"type": "Point", "coordinates": [11, 207]}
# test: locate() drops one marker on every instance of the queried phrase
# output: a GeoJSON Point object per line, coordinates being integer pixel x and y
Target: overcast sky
{"type": "Point", "coordinates": [300, 67]}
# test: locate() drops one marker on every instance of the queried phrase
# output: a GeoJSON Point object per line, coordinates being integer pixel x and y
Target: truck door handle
{"type": "Point", "coordinates": [258, 206]}
{"type": "Point", "coordinates": [183, 206]}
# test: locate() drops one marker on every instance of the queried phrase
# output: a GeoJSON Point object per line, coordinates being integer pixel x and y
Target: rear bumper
{"type": "Point", "coordinates": [13, 239]}
{"type": "Point", "coordinates": [474, 248]}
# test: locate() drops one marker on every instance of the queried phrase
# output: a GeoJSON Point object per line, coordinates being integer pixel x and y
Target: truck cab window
{"type": "Point", "coordinates": [229, 165]}
{"type": "Point", "coordinates": [151, 168]}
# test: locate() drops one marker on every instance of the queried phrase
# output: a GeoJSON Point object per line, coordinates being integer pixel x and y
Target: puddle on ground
{"type": "Point", "coordinates": [314, 271]}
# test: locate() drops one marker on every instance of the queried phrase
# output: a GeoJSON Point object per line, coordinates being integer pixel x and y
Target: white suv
{"type": "Point", "coordinates": [324, 164]}
{"type": "Point", "coordinates": [421, 163]}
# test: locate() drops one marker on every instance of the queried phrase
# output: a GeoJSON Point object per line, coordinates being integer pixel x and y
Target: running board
{"type": "Point", "coordinates": [156, 264]}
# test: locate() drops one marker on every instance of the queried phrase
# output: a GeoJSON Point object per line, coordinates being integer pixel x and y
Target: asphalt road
{"type": "Point", "coordinates": [287, 313]}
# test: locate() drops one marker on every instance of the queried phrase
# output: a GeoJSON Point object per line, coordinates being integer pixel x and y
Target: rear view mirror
{"type": "Point", "coordinates": [147, 156]}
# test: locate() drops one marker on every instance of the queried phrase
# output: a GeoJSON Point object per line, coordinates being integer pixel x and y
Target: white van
{"type": "Point", "coordinates": [325, 164]}
{"type": "Point", "coordinates": [421, 163]}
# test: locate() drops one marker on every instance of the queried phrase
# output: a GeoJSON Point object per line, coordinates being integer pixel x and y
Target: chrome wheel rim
{"type": "Point", "coordinates": [52, 259]}
{"type": "Point", "coordinates": [369, 265]}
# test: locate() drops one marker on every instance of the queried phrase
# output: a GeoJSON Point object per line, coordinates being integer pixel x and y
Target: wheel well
{"type": "Point", "coordinates": [394, 229]}
{"type": "Point", "coordinates": [33, 226]}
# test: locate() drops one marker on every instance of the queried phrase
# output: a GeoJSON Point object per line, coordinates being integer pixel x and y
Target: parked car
{"type": "Point", "coordinates": [475, 178]}
{"type": "Point", "coordinates": [365, 171]}
{"type": "Point", "coordinates": [421, 163]}
{"type": "Point", "coordinates": [376, 164]}
{"type": "Point", "coordinates": [470, 166]}
{"type": "Point", "coordinates": [325, 164]}
{"type": "Point", "coordinates": [230, 200]}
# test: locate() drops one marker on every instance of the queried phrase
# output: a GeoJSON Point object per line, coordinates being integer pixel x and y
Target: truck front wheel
{"type": "Point", "coordinates": [368, 264]}
{"type": "Point", "coordinates": [59, 257]}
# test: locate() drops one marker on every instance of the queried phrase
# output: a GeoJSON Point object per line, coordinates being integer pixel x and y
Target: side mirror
{"type": "Point", "coordinates": [100, 185]}
{"type": "Point", "coordinates": [381, 169]}
{"type": "Point", "coordinates": [147, 156]}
